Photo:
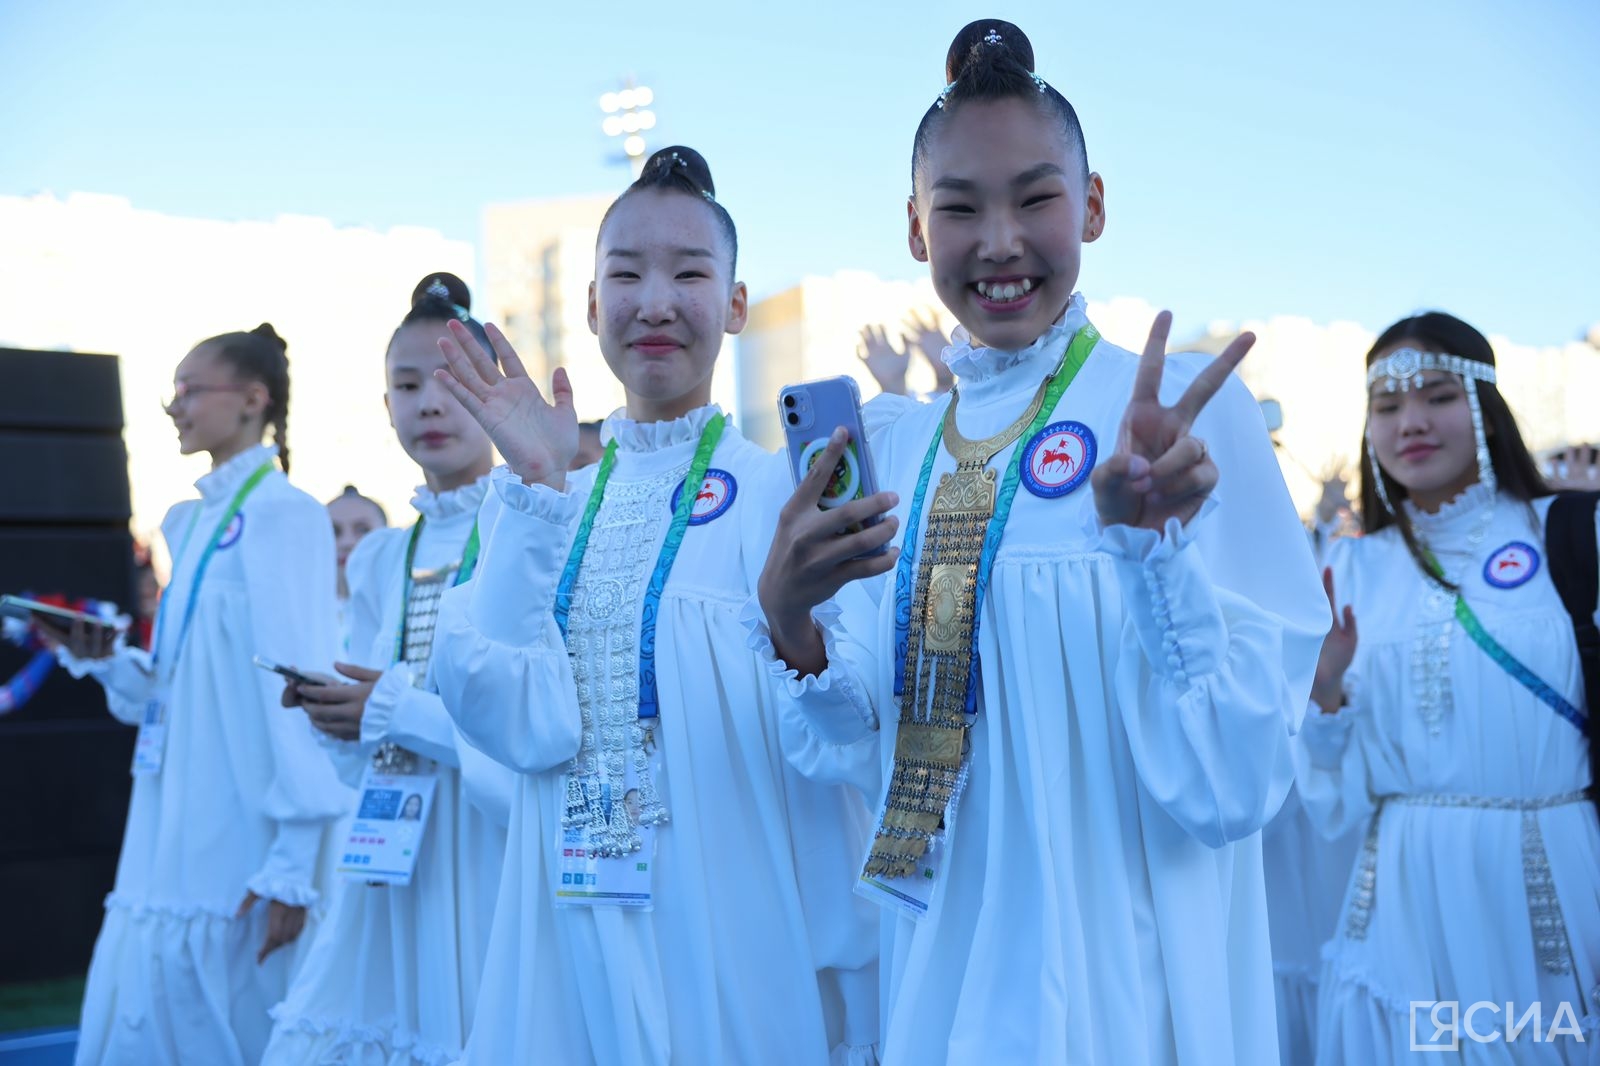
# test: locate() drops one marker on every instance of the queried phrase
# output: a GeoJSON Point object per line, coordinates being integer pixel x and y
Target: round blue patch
{"type": "Point", "coordinates": [231, 535]}
{"type": "Point", "coordinates": [1057, 459]}
{"type": "Point", "coordinates": [714, 498]}
{"type": "Point", "coordinates": [1511, 565]}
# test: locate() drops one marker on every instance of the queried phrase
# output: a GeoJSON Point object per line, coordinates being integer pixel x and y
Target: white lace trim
{"type": "Point", "coordinates": [1453, 514]}
{"type": "Point", "coordinates": [634, 436]}
{"type": "Point", "coordinates": [347, 1035]}
{"type": "Point", "coordinates": [973, 364]}
{"type": "Point", "coordinates": [437, 506]}
{"type": "Point", "coordinates": [139, 910]}
{"type": "Point", "coordinates": [226, 479]}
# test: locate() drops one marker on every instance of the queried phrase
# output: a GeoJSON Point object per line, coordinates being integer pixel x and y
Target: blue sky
{"type": "Point", "coordinates": [1338, 161]}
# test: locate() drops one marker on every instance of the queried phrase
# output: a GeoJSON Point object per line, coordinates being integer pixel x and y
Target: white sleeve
{"type": "Point", "coordinates": [499, 659]}
{"type": "Point", "coordinates": [127, 675]}
{"type": "Point", "coordinates": [1223, 623]}
{"type": "Point", "coordinates": [290, 581]}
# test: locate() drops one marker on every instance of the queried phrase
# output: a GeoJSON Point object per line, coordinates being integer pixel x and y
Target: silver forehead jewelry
{"type": "Point", "coordinates": [1401, 371]}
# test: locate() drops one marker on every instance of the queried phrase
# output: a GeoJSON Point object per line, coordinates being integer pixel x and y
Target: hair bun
{"type": "Point", "coordinates": [444, 287]}
{"type": "Point", "coordinates": [676, 163]}
{"type": "Point", "coordinates": [266, 332]}
{"type": "Point", "coordinates": [975, 44]}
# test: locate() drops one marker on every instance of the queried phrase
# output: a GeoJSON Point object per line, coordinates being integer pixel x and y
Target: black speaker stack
{"type": "Point", "coordinates": [64, 784]}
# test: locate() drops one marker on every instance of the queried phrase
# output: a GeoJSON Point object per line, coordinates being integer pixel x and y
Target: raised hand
{"type": "Point", "coordinates": [537, 438]}
{"type": "Point", "coordinates": [1159, 471]}
{"type": "Point", "coordinates": [926, 336]}
{"type": "Point", "coordinates": [887, 366]}
{"type": "Point", "coordinates": [814, 555]}
{"type": "Point", "coordinates": [1338, 652]}
{"type": "Point", "coordinates": [1574, 467]}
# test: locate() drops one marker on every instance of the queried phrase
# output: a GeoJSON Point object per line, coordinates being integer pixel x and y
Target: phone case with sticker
{"type": "Point", "coordinates": [809, 413]}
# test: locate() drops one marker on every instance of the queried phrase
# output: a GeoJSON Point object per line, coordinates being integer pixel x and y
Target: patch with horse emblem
{"type": "Point", "coordinates": [1057, 459]}
{"type": "Point", "coordinates": [713, 500]}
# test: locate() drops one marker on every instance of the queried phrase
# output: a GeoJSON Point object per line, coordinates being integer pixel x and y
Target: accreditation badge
{"type": "Point", "coordinates": [386, 834]}
{"type": "Point", "coordinates": [587, 878]}
{"type": "Point", "coordinates": [151, 746]}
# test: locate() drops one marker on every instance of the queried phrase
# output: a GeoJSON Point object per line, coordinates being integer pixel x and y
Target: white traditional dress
{"type": "Point", "coordinates": [754, 950]}
{"type": "Point", "coordinates": [1101, 899]}
{"type": "Point", "coordinates": [1479, 875]}
{"type": "Point", "coordinates": [392, 979]}
{"type": "Point", "coordinates": [244, 794]}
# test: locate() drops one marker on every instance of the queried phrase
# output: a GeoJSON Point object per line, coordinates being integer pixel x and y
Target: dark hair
{"type": "Point", "coordinates": [679, 169]}
{"type": "Point", "coordinates": [440, 297]}
{"type": "Point", "coordinates": [1514, 468]}
{"type": "Point", "coordinates": [261, 355]}
{"type": "Point", "coordinates": [352, 493]}
{"type": "Point", "coordinates": [993, 60]}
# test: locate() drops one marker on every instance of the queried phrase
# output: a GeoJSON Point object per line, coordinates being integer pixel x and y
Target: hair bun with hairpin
{"type": "Point", "coordinates": [444, 287]}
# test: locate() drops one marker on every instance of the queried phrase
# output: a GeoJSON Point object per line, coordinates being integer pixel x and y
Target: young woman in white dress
{"type": "Point", "coordinates": [1456, 723]}
{"type": "Point", "coordinates": [392, 977]}
{"type": "Point", "coordinates": [231, 793]}
{"type": "Point", "coordinates": [1073, 690]}
{"type": "Point", "coordinates": [673, 891]}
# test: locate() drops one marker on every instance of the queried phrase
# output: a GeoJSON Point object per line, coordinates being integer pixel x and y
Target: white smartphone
{"type": "Point", "coordinates": [22, 607]}
{"type": "Point", "coordinates": [287, 671]}
{"type": "Point", "coordinates": [810, 412]}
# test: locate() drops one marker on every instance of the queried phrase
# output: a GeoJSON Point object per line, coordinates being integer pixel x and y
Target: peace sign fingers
{"type": "Point", "coordinates": [1147, 383]}
{"type": "Point", "coordinates": [1209, 381]}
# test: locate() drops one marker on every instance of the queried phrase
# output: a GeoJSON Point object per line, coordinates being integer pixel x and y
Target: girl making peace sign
{"type": "Point", "coordinates": [1081, 670]}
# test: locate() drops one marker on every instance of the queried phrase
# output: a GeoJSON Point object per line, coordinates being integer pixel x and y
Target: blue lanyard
{"type": "Point", "coordinates": [1077, 354]}
{"type": "Point", "coordinates": [469, 563]}
{"type": "Point", "coordinates": [649, 702]}
{"type": "Point", "coordinates": [200, 569]}
{"type": "Point", "coordinates": [1510, 663]}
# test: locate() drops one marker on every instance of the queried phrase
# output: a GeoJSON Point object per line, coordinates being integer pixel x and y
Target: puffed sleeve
{"type": "Point", "coordinates": [290, 581]}
{"type": "Point", "coordinates": [499, 659]}
{"type": "Point", "coordinates": [128, 674]}
{"type": "Point", "coordinates": [1223, 621]}
{"type": "Point", "coordinates": [1332, 754]}
{"type": "Point", "coordinates": [827, 723]}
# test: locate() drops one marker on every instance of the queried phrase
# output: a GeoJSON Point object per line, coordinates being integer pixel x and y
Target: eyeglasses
{"type": "Point", "coordinates": [185, 390]}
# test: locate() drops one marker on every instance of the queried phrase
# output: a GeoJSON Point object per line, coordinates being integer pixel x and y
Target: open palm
{"type": "Point", "coordinates": [1159, 470]}
{"type": "Point", "coordinates": [537, 437]}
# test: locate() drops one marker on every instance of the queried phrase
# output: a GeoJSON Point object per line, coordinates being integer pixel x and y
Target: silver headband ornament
{"type": "Point", "coordinates": [991, 38]}
{"type": "Point", "coordinates": [1401, 371]}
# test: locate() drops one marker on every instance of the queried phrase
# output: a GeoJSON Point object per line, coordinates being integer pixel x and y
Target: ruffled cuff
{"type": "Point", "coordinates": [1326, 736]}
{"type": "Point", "coordinates": [378, 717]}
{"type": "Point", "coordinates": [291, 862]}
{"type": "Point", "coordinates": [1169, 597]}
{"type": "Point", "coordinates": [854, 1055]}
{"type": "Point", "coordinates": [833, 700]}
{"type": "Point", "coordinates": [415, 718]}
{"type": "Point", "coordinates": [511, 596]}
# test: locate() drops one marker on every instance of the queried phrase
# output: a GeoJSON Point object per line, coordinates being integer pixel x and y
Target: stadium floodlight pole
{"type": "Point", "coordinates": [629, 117]}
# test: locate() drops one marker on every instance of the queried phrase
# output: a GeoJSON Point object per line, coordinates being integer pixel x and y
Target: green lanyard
{"type": "Point", "coordinates": [200, 569]}
{"type": "Point", "coordinates": [649, 705]}
{"type": "Point", "coordinates": [469, 563]}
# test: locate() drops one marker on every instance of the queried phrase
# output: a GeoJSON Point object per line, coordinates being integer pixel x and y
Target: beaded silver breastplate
{"type": "Point", "coordinates": [422, 618]}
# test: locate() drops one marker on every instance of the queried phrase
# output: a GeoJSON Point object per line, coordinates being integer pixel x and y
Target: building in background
{"type": "Point", "coordinates": [94, 273]}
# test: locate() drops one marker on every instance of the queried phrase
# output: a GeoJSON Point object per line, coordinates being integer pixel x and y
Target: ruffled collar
{"type": "Point", "coordinates": [441, 506]}
{"type": "Point", "coordinates": [646, 437]}
{"type": "Point", "coordinates": [226, 479]}
{"type": "Point", "coordinates": [973, 365]}
{"type": "Point", "coordinates": [1457, 518]}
